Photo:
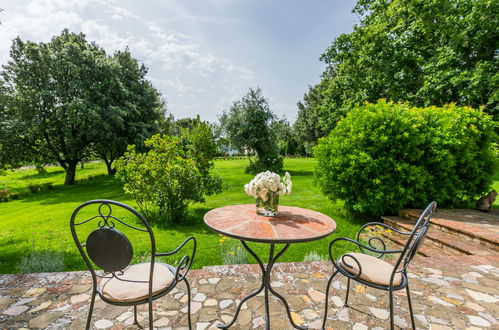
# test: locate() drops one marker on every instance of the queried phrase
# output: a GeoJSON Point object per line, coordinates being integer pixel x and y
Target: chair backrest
{"type": "Point", "coordinates": [416, 238]}
{"type": "Point", "coordinates": [106, 246]}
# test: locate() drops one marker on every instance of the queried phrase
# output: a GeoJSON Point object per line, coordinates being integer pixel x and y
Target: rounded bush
{"type": "Point", "coordinates": [386, 156]}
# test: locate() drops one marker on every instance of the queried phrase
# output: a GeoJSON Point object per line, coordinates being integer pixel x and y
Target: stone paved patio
{"type": "Point", "coordinates": [450, 293]}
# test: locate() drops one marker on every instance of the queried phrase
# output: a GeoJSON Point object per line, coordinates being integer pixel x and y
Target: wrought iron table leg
{"type": "Point", "coordinates": [265, 285]}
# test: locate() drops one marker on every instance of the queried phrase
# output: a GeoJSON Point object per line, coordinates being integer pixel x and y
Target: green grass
{"type": "Point", "coordinates": [40, 222]}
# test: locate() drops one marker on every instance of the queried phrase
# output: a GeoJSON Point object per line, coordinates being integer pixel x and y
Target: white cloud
{"type": "Point", "coordinates": [209, 19]}
{"type": "Point", "coordinates": [192, 79]}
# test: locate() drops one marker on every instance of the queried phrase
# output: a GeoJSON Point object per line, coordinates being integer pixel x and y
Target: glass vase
{"type": "Point", "coordinates": [269, 207]}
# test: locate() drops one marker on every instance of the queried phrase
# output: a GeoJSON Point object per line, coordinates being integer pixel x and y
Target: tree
{"type": "Point", "coordinates": [307, 127]}
{"type": "Point", "coordinates": [247, 126]}
{"type": "Point", "coordinates": [66, 99]}
{"type": "Point", "coordinates": [425, 52]}
{"type": "Point", "coordinates": [132, 113]}
{"type": "Point", "coordinates": [284, 136]}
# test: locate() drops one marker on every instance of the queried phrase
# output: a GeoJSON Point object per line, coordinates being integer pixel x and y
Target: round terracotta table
{"type": "Point", "coordinates": [291, 225]}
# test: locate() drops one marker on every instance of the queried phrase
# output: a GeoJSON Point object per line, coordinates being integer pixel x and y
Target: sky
{"type": "Point", "coordinates": [202, 55]}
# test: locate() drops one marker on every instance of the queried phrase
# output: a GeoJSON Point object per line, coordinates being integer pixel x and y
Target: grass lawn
{"type": "Point", "coordinates": [41, 221]}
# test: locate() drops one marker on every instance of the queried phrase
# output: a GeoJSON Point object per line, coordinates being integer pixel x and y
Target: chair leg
{"type": "Point", "coordinates": [135, 321]}
{"type": "Point", "coordinates": [327, 298]}
{"type": "Point", "coordinates": [151, 316]}
{"type": "Point", "coordinates": [391, 310]}
{"type": "Point", "coordinates": [91, 309]}
{"type": "Point", "coordinates": [348, 292]}
{"type": "Point", "coordinates": [188, 303]}
{"type": "Point", "coordinates": [410, 306]}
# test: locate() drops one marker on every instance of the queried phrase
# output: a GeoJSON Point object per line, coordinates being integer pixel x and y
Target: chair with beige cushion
{"type": "Point", "coordinates": [107, 228]}
{"type": "Point", "coordinates": [367, 268]}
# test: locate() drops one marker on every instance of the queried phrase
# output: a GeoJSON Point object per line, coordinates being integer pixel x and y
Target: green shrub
{"type": "Point", "coordinates": [14, 195]}
{"type": "Point", "coordinates": [386, 156]}
{"type": "Point", "coordinates": [4, 195]}
{"type": "Point", "coordinates": [313, 256]}
{"type": "Point", "coordinates": [34, 187]}
{"type": "Point", "coordinates": [40, 169]}
{"type": "Point", "coordinates": [41, 262]}
{"type": "Point", "coordinates": [232, 252]}
{"type": "Point", "coordinates": [172, 174]}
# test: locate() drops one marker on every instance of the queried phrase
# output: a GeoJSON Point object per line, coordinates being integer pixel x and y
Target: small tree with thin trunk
{"type": "Point", "coordinates": [247, 125]}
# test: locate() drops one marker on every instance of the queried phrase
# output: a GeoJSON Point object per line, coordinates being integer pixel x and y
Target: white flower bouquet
{"type": "Point", "coordinates": [266, 188]}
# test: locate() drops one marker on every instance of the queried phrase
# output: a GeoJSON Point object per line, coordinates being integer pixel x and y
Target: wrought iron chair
{"type": "Point", "coordinates": [106, 248]}
{"type": "Point", "coordinates": [371, 270]}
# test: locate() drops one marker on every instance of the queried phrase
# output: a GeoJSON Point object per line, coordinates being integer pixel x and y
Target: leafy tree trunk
{"type": "Point", "coordinates": [109, 165]}
{"type": "Point", "coordinates": [70, 173]}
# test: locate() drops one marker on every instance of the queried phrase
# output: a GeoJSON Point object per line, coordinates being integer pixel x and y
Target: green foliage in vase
{"type": "Point", "coordinates": [247, 125]}
{"type": "Point", "coordinates": [429, 53]}
{"type": "Point", "coordinates": [172, 174]}
{"type": "Point", "coordinates": [386, 156]}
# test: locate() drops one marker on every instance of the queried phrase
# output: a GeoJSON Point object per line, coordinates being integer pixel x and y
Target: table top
{"type": "Point", "coordinates": [291, 225]}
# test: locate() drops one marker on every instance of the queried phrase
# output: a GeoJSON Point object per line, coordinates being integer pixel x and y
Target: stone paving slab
{"type": "Point", "coordinates": [447, 293]}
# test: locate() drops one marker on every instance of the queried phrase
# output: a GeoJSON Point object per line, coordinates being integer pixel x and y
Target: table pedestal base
{"type": "Point", "coordinates": [265, 286]}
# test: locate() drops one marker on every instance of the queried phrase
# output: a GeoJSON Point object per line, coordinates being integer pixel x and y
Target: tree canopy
{"type": "Point", "coordinates": [66, 99]}
{"type": "Point", "coordinates": [307, 129]}
{"type": "Point", "coordinates": [247, 126]}
{"type": "Point", "coordinates": [425, 52]}
{"type": "Point", "coordinates": [132, 111]}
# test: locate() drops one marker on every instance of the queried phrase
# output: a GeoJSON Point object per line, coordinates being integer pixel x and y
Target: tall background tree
{"type": "Point", "coordinates": [132, 113]}
{"type": "Point", "coordinates": [247, 126]}
{"type": "Point", "coordinates": [307, 129]}
{"type": "Point", "coordinates": [66, 99]}
{"type": "Point", "coordinates": [425, 52]}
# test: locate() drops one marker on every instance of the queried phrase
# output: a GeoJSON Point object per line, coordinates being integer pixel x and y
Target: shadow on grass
{"type": "Point", "coordinates": [300, 173]}
{"type": "Point", "coordinates": [41, 176]}
{"type": "Point", "coordinates": [192, 224]}
{"type": "Point", "coordinates": [101, 187]}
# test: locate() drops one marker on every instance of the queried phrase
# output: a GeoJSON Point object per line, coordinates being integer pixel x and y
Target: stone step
{"type": "Point", "coordinates": [399, 242]}
{"type": "Point", "coordinates": [445, 241]}
{"type": "Point", "coordinates": [478, 227]}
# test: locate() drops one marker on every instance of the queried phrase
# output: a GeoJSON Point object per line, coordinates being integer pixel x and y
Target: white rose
{"type": "Point", "coordinates": [263, 194]}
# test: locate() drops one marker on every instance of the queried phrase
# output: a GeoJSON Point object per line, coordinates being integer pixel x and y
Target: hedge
{"type": "Point", "coordinates": [386, 156]}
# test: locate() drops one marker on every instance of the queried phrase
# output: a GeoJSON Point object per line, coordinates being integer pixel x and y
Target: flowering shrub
{"type": "Point", "coordinates": [266, 182]}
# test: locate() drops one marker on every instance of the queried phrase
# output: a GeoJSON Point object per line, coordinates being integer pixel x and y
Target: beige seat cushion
{"type": "Point", "coordinates": [124, 291]}
{"type": "Point", "coordinates": [374, 270]}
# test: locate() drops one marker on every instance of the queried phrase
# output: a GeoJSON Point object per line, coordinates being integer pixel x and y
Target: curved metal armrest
{"type": "Point", "coordinates": [184, 263]}
{"type": "Point", "coordinates": [360, 245]}
{"type": "Point", "coordinates": [381, 224]}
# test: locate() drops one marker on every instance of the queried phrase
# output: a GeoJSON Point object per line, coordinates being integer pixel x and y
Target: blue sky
{"type": "Point", "coordinates": [201, 55]}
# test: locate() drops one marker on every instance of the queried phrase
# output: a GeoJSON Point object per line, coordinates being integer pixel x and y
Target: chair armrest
{"type": "Point", "coordinates": [360, 246]}
{"type": "Point", "coordinates": [184, 263]}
